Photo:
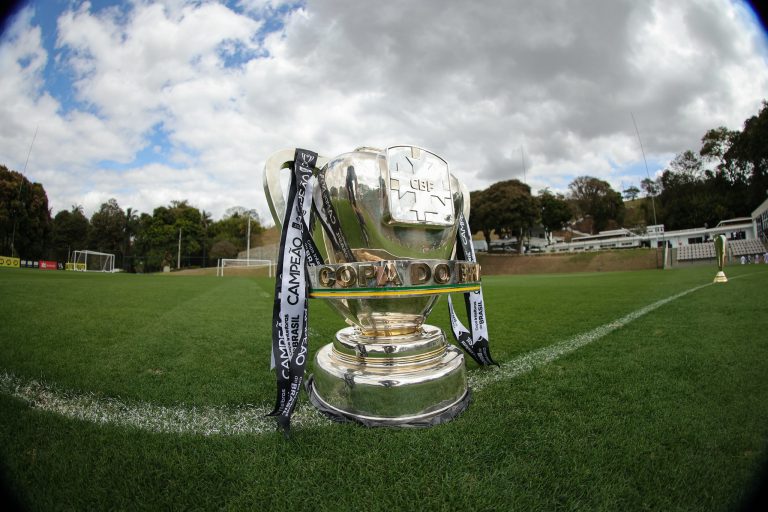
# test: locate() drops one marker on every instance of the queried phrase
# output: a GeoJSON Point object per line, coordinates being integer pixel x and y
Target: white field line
{"type": "Point", "coordinates": [250, 419]}
{"type": "Point", "coordinates": [180, 419]}
{"type": "Point", "coordinates": [546, 355]}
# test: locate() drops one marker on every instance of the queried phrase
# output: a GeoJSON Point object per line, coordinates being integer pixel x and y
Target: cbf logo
{"type": "Point", "coordinates": [419, 187]}
{"type": "Point", "coordinates": [422, 184]}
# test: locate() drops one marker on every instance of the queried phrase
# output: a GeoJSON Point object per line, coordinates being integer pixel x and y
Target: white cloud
{"type": "Point", "coordinates": [473, 81]}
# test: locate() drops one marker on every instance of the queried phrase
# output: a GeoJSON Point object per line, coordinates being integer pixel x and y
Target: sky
{"type": "Point", "coordinates": [149, 102]}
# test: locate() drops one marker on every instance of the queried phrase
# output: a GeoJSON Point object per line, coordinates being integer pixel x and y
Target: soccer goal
{"type": "Point", "coordinates": [231, 263]}
{"type": "Point", "coordinates": [92, 261]}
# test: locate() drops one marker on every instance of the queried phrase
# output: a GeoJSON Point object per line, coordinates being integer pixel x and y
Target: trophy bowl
{"type": "Point", "coordinates": [385, 222]}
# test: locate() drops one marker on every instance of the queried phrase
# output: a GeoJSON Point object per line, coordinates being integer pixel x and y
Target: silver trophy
{"type": "Point", "coordinates": [720, 248]}
{"type": "Point", "coordinates": [385, 222]}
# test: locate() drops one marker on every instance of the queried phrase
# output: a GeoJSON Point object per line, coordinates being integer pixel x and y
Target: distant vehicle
{"type": "Point", "coordinates": [504, 245]}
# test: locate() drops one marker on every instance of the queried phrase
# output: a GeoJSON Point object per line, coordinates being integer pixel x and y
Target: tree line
{"type": "Point", "coordinates": [140, 241]}
{"type": "Point", "coordinates": [509, 210]}
{"type": "Point", "coordinates": [726, 178]}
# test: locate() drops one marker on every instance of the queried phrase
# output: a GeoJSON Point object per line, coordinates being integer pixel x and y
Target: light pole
{"type": "Point", "coordinates": [248, 241]}
{"type": "Point", "coordinates": [178, 256]}
{"type": "Point", "coordinates": [21, 182]}
{"type": "Point", "coordinates": [647, 172]}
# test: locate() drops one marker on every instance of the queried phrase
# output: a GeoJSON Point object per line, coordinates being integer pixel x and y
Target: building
{"type": "Point", "coordinates": [741, 228]}
{"type": "Point", "coordinates": [760, 220]}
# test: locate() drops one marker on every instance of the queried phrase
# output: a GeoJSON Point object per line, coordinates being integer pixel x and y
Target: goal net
{"type": "Point", "coordinates": [229, 264]}
{"type": "Point", "coordinates": [92, 261]}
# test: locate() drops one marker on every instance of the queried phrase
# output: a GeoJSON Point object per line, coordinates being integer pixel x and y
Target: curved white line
{"type": "Point", "coordinates": [546, 355]}
{"type": "Point", "coordinates": [200, 420]}
{"type": "Point", "coordinates": [251, 419]}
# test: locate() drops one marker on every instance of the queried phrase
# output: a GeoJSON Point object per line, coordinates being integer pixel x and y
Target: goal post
{"type": "Point", "coordinates": [92, 261]}
{"type": "Point", "coordinates": [232, 263]}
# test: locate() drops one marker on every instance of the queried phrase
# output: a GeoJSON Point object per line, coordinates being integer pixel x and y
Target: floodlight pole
{"type": "Point", "coordinates": [248, 241]}
{"type": "Point", "coordinates": [525, 180]}
{"type": "Point", "coordinates": [522, 159]}
{"type": "Point", "coordinates": [178, 257]}
{"type": "Point", "coordinates": [21, 183]}
{"type": "Point", "coordinates": [653, 201]}
{"type": "Point", "coordinates": [647, 172]}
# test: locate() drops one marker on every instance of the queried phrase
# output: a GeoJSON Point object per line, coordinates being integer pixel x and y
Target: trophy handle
{"type": "Point", "coordinates": [461, 194]}
{"type": "Point", "coordinates": [276, 163]}
{"type": "Point", "coordinates": [465, 199]}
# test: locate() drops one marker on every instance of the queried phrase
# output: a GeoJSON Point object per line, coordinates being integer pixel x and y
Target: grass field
{"type": "Point", "coordinates": [112, 388]}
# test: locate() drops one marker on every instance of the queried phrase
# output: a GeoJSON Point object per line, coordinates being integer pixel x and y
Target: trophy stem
{"type": "Point", "coordinates": [415, 379]}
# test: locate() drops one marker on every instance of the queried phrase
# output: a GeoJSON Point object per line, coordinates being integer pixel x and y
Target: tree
{"type": "Point", "coordinates": [108, 230]}
{"type": "Point", "coordinates": [189, 220]}
{"type": "Point", "coordinates": [69, 232]}
{"type": "Point", "coordinates": [688, 197]}
{"type": "Point", "coordinates": [205, 223]}
{"type": "Point", "coordinates": [223, 249]}
{"type": "Point", "coordinates": [157, 240]}
{"type": "Point", "coordinates": [687, 163]}
{"type": "Point", "coordinates": [631, 193]}
{"type": "Point", "coordinates": [240, 211]}
{"type": "Point", "coordinates": [716, 143]}
{"type": "Point", "coordinates": [695, 194]}
{"type": "Point", "coordinates": [595, 197]}
{"type": "Point", "coordinates": [131, 226]}
{"type": "Point", "coordinates": [507, 208]}
{"type": "Point", "coordinates": [25, 221]}
{"type": "Point", "coordinates": [748, 153]}
{"type": "Point", "coordinates": [233, 227]}
{"type": "Point", "coordinates": [650, 187]}
{"type": "Point", "coordinates": [478, 216]}
{"type": "Point", "coordinates": [554, 211]}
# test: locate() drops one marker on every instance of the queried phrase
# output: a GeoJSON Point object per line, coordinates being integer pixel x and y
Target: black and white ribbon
{"type": "Point", "coordinates": [330, 221]}
{"type": "Point", "coordinates": [475, 340]}
{"type": "Point", "coordinates": [289, 314]}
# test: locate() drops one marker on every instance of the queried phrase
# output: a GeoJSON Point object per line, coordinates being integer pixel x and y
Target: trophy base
{"type": "Point", "coordinates": [411, 380]}
{"type": "Point", "coordinates": [720, 277]}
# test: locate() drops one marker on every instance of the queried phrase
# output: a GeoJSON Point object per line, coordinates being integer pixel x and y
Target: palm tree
{"type": "Point", "coordinates": [130, 228]}
{"type": "Point", "coordinates": [205, 222]}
